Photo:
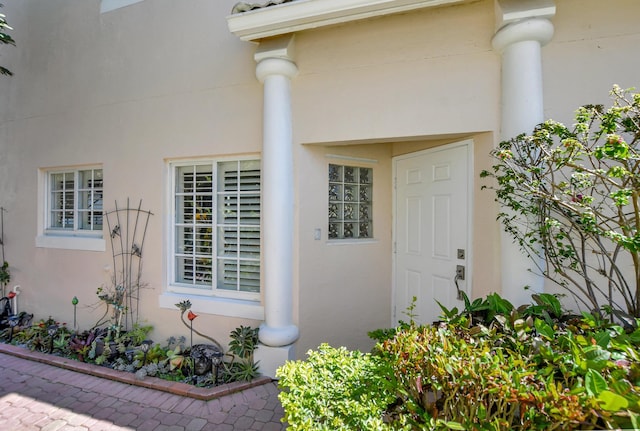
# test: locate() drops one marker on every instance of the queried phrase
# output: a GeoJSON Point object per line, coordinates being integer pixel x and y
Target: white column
{"type": "Point", "coordinates": [520, 43]}
{"type": "Point", "coordinates": [275, 73]}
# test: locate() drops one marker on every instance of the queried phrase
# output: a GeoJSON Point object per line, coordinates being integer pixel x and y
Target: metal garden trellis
{"type": "Point", "coordinates": [127, 229]}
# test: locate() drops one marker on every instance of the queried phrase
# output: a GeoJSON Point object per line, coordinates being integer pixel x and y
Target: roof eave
{"type": "Point", "coordinates": [307, 14]}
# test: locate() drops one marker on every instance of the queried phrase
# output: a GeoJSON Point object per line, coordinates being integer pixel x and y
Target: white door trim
{"type": "Point", "coordinates": [468, 143]}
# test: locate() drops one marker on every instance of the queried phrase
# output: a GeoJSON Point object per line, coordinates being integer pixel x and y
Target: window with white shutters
{"type": "Point", "coordinates": [75, 201]}
{"type": "Point", "coordinates": [216, 228]}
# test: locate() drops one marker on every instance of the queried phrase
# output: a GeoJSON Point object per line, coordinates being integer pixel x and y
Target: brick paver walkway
{"type": "Point", "coordinates": [35, 396]}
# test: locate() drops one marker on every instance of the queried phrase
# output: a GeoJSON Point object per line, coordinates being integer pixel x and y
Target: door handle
{"type": "Point", "coordinates": [460, 270]}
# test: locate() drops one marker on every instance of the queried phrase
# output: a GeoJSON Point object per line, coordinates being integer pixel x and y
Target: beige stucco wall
{"type": "Point", "coordinates": [129, 90]}
{"type": "Point", "coordinates": [165, 79]}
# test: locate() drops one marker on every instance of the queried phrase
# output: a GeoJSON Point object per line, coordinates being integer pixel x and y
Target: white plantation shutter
{"type": "Point", "coordinates": [194, 228]}
{"type": "Point", "coordinates": [239, 226]}
{"type": "Point", "coordinates": [217, 226]}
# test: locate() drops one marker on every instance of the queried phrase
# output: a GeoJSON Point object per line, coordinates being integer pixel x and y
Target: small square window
{"type": "Point", "coordinates": [70, 211]}
{"type": "Point", "coordinates": [75, 201]}
{"type": "Point", "coordinates": [350, 202]}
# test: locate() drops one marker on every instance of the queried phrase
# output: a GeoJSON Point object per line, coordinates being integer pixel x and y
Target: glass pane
{"type": "Point", "coordinates": [97, 200]}
{"type": "Point", "coordinates": [97, 221]}
{"type": "Point", "coordinates": [184, 240]}
{"type": "Point", "coordinates": [335, 173]}
{"type": "Point", "coordinates": [68, 200]}
{"type": "Point", "coordinates": [348, 230]}
{"type": "Point", "coordinates": [194, 179]}
{"type": "Point", "coordinates": [203, 211]}
{"type": "Point", "coordinates": [67, 221]}
{"type": "Point", "coordinates": [228, 274]}
{"type": "Point", "coordinates": [365, 230]}
{"type": "Point", "coordinates": [250, 209]}
{"type": "Point", "coordinates": [335, 230]}
{"type": "Point", "coordinates": [365, 211]}
{"type": "Point", "coordinates": [349, 211]}
{"type": "Point", "coordinates": [365, 193]}
{"type": "Point", "coordinates": [250, 175]}
{"type": "Point", "coordinates": [349, 193]}
{"type": "Point", "coordinates": [228, 209]}
{"type": "Point", "coordinates": [335, 192]}
{"type": "Point", "coordinates": [185, 209]}
{"type": "Point", "coordinates": [57, 200]}
{"type": "Point", "coordinates": [84, 200]}
{"type": "Point", "coordinates": [204, 242]}
{"type": "Point", "coordinates": [335, 211]}
{"type": "Point", "coordinates": [249, 276]}
{"type": "Point", "coordinates": [193, 271]}
{"type": "Point", "coordinates": [228, 176]}
{"type": "Point", "coordinates": [249, 243]}
{"type": "Point", "coordinates": [90, 220]}
{"type": "Point", "coordinates": [366, 176]}
{"type": "Point", "coordinates": [56, 219]}
{"type": "Point", "coordinates": [228, 242]}
{"type": "Point", "coordinates": [350, 196]}
{"type": "Point", "coordinates": [349, 174]}
{"type": "Point", "coordinates": [236, 275]}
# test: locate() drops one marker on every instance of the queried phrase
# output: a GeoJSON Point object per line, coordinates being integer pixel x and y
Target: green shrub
{"type": "Point", "coordinates": [488, 367]}
{"type": "Point", "coordinates": [334, 389]}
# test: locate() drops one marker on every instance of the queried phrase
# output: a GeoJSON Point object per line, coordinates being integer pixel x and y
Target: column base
{"type": "Point", "coordinates": [271, 358]}
{"type": "Point", "coordinates": [279, 335]}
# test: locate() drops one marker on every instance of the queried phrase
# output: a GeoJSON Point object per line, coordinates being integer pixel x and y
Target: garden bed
{"type": "Point", "coordinates": [176, 388]}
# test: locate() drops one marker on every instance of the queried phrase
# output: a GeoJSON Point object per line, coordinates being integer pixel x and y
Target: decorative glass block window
{"type": "Point", "coordinates": [75, 201]}
{"type": "Point", "coordinates": [216, 228]}
{"type": "Point", "coordinates": [350, 202]}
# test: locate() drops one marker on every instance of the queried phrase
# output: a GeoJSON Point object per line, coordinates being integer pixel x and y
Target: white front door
{"type": "Point", "coordinates": [432, 229]}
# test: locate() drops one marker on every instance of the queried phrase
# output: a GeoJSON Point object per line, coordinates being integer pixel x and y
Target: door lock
{"type": "Point", "coordinates": [460, 272]}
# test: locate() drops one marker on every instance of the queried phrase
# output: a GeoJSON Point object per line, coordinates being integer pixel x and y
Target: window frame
{"type": "Point", "coordinates": [73, 239]}
{"type": "Point", "coordinates": [173, 287]}
{"type": "Point", "coordinates": [353, 164]}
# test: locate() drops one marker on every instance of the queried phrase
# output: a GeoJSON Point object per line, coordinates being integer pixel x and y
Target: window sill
{"type": "Point", "coordinates": [71, 242]}
{"type": "Point", "coordinates": [351, 241]}
{"type": "Point", "coordinates": [215, 305]}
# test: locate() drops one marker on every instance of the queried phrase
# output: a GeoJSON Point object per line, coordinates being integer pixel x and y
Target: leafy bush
{"type": "Point", "coordinates": [488, 367]}
{"type": "Point", "coordinates": [334, 389]}
{"type": "Point", "coordinates": [570, 200]}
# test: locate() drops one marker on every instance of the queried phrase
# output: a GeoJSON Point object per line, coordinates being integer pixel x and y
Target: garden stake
{"type": "Point", "coordinates": [74, 301]}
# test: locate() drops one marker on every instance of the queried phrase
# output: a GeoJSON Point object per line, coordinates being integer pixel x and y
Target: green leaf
{"type": "Point", "coordinates": [602, 339]}
{"type": "Point", "coordinates": [595, 383]}
{"type": "Point", "coordinates": [454, 425]}
{"type": "Point", "coordinates": [544, 329]}
{"type": "Point", "coordinates": [612, 402]}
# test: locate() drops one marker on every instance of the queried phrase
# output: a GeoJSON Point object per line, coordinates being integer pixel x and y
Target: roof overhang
{"type": "Point", "coordinates": [306, 14]}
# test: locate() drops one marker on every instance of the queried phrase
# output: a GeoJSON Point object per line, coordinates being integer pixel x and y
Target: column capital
{"type": "Point", "coordinates": [532, 29]}
{"type": "Point", "coordinates": [275, 66]}
{"type": "Point", "coordinates": [511, 11]}
{"type": "Point", "coordinates": [275, 56]}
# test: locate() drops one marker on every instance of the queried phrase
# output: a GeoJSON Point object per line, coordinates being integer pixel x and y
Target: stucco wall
{"type": "Point", "coordinates": [164, 79]}
{"type": "Point", "coordinates": [128, 89]}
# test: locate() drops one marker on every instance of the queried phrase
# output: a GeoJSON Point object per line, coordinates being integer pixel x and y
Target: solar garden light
{"type": "Point", "coordinates": [13, 322]}
{"type": "Point", "coordinates": [144, 347]}
{"type": "Point", "coordinates": [216, 360]}
{"type": "Point", "coordinates": [51, 330]}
